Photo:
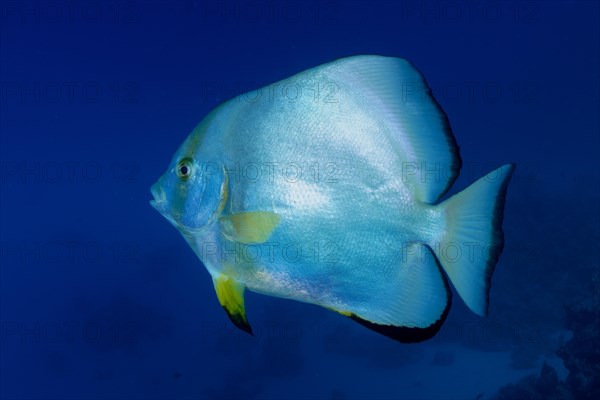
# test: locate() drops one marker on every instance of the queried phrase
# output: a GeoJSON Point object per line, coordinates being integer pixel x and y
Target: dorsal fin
{"type": "Point", "coordinates": [398, 92]}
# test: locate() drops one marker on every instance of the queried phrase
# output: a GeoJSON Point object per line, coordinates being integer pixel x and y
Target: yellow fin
{"type": "Point", "coordinates": [249, 227]}
{"type": "Point", "coordinates": [231, 296]}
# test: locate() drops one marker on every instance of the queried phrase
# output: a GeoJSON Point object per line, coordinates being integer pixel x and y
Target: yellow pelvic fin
{"type": "Point", "coordinates": [249, 227]}
{"type": "Point", "coordinates": [345, 313]}
{"type": "Point", "coordinates": [231, 296]}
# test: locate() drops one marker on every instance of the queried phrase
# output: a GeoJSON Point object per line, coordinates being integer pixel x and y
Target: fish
{"type": "Point", "coordinates": [328, 188]}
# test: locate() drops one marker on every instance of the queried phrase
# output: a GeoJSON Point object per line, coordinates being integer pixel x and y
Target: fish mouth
{"type": "Point", "coordinates": [157, 206]}
{"type": "Point", "coordinates": [159, 203]}
{"type": "Point", "coordinates": [160, 198]}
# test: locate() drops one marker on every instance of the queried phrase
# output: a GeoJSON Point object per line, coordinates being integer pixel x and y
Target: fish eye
{"type": "Point", "coordinates": [184, 168]}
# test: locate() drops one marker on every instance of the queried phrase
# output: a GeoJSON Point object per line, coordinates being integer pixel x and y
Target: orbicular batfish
{"type": "Point", "coordinates": [327, 188]}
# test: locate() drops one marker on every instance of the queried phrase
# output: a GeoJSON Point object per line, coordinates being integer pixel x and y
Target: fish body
{"type": "Point", "coordinates": [325, 187]}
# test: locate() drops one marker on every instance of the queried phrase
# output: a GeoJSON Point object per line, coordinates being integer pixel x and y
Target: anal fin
{"type": "Point", "coordinates": [410, 304]}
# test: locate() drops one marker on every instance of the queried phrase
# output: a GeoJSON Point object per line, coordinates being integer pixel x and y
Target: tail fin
{"type": "Point", "coordinates": [472, 240]}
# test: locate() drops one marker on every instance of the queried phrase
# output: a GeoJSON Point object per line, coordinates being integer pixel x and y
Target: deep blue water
{"type": "Point", "coordinates": [101, 298]}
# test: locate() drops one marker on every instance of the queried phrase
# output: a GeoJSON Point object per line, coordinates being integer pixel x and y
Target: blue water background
{"type": "Point", "coordinates": [102, 299]}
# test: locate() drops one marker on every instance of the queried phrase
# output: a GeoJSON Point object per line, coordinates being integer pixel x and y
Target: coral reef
{"type": "Point", "coordinates": [581, 357]}
{"type": "Point", "coordinates": [546, 386]}
{"type": "Point", "coordinates": [581, 354]}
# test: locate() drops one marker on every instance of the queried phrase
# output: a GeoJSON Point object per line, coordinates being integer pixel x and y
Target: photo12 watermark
{"type": "Point", "coordinates": [325, 253]}
{"type": "Point", "coordinates": [69, 172]}
{"type": "Point", "coordinates": [67, 332]}
{"type": "Point", "coordinates": [68, 92]}
{"type": "Point", "coordinates": [267, 12]}
{"type": "Point", "coordinates": [291, 91]}
{"type": "Point", "coordinates": [470, 12]}
{"type": "Point", "coordinates": [69, 252]}
{"type": "Point", "coordinates": [454, 252]}
{"type": "Point", "coordinates": [473, 92]}
{"type": "Point", "coordinates": [436, 172]}
{"type": "Point", "coordinates": [331, 92]}
{"type": "Point", "coordinates": [49, 12]}
{"type": "Point", "coordinates": [255, 172]}
{"type": "Point", "coordinates": [331, 332]}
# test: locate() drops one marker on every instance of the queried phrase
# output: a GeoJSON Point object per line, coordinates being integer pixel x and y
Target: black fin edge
{"type": "Point", "coordinates": [239, 321]}
{"type": "Point", "coordinates": [497, 234]}
{"type": "Point", "coordinates": [450, 139]}
{"type": "Point", "coordinates": [405, 334]}
{"type": "Point", "coordinates": [452, 145]}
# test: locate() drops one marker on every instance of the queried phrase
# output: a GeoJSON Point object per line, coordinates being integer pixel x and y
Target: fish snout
{"type": "Point", "coordinates": [160, 197]}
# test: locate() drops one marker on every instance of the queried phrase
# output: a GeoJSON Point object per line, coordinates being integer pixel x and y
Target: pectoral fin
{"type": "Point", "coordinates": [249, 227]}
{"type": "Point", "coordinates": [231, 296]}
